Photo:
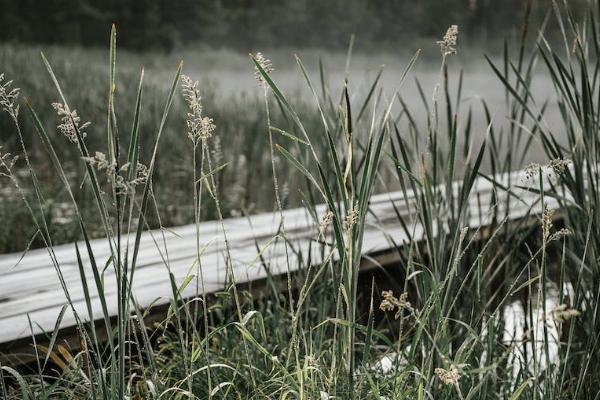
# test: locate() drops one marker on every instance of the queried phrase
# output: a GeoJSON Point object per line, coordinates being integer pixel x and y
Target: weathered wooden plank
{"type": "Point", "coordinates": [31, 287]}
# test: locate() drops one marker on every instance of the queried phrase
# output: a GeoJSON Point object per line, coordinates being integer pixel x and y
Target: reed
{"type": "Point", "coordinates": [443, 322]}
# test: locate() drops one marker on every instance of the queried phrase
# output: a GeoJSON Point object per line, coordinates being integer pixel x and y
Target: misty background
{"type": "Point", "coordinates": [214, 38]}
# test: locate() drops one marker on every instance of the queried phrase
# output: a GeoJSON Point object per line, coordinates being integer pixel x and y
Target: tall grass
{"type": "Point", "coordinates": [438, 318]}
{"type": "Point", "coordinates": [239, 115]}
{"type": "Point", "coordinates": [574, 70]}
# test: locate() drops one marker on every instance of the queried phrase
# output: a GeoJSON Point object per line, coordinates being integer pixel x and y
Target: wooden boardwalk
{"type": "Point", "coordinates": [30, 286]}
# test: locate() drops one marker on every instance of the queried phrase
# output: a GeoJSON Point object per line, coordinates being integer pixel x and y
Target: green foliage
{"type": "Point", "coordinates": [320, 336]}
{"type": "Point", "coordinates": [260, 23]}
{"type": "Point", "coordinates": [239, 145]}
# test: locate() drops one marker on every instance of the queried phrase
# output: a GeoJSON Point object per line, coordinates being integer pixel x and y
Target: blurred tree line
{"type": "Point", "coordinates": [246, 24]}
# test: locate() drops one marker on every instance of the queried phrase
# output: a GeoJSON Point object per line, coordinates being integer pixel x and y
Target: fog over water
{"type": "Point", "coordinates": [479, 83]}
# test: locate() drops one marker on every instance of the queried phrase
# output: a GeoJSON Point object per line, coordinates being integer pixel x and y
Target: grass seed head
{"type": "Point", "coordinates": [448, 42]}
{"type": "Point", "coordinates": [7, 162]}
{"type": "Point", "coordinates": [559, 164]}
{"type": "Point", "coordinates": [191, 94]}
{"type": "Point", "coordinates": [561, 233]}
{"type": "Point", "coordinates": [562, 313]}
{"type": "Point", "coordinates": [448, 377]}
{"type": "Point", "coordinates": [101, 163]}
{"type": "Point", "coordinates": [326, 220]}
{"type": "Point", "coordinates": [70, 122]}
{"type": "Point", "coordinates": [351, 217]}
{"type": "Point", "coordinates": [552, 171]}
{"type": "Point", "coordinates": [547, 219]}
{"type": "Point", "coordinates": [532, 170]}
{"type": "Point", "coordinates": [141, 175]}
{"type": "Point", "coordinates": [199, 126]}
{"type": "Point", "coordinates": [265, 64]}
{"type": "Point", "coordinates": [9, 97]}
{"type": "Point", "coordinates": [391, 303]}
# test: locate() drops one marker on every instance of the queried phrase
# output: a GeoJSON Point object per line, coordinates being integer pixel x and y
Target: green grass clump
{"type": "Point", "coordinates": [440, 313]}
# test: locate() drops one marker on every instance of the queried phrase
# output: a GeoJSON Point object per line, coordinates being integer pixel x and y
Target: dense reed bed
{"type": "Point", "coordinates": [441, 327]}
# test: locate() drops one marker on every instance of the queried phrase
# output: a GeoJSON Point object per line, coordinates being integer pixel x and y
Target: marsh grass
{"type": "Point", "coordinates": [318, 333]}
{"type": "Point", "coordinates": [239, 115]}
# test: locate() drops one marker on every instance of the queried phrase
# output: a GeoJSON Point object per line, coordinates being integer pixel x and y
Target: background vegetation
{"type": "Point", "coordinates": [257, 24]}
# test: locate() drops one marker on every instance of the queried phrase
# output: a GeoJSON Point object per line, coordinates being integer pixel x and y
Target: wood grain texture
{"type": "Point", "coordinates": [29, 283]}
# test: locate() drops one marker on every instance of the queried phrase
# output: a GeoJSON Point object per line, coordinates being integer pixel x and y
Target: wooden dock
{"type": "Point", "coordinates": [29, 286]}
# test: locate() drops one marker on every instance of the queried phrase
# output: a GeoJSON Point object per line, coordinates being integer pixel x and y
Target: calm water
{"type": "Point", "coordinates": [479, 83]}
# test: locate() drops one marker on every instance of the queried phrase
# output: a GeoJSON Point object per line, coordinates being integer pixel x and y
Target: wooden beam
{"type": "Point", "coordinates": [29, 284]}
